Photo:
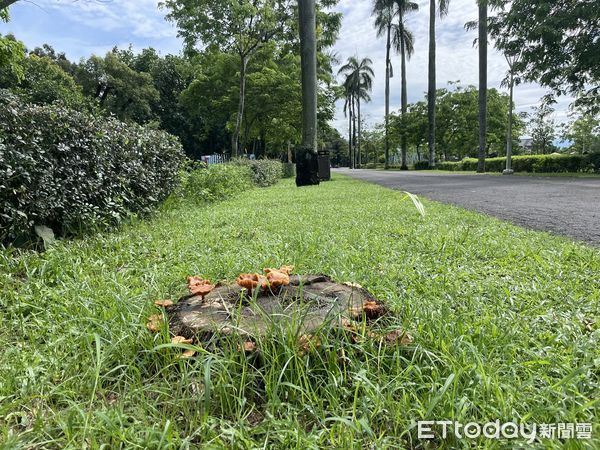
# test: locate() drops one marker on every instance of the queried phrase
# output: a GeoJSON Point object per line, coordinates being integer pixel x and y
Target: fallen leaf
{"type": "Point", "coordinates": [248, 347]}
{"type": "Point", "coordinates": [164, 303]}
{"type": "Point", "coordinates": [187, 354]}
{"type": "Point", "coordinates": [155, 323]}
{"type": "Point", "coordinates": [181, 340]}
{"type": "Point", "coordinates": [308, 342]}
{"type": "Point", "coordinates": [398, 337]}
{"type": "Point", "coordinates": [354, 285]}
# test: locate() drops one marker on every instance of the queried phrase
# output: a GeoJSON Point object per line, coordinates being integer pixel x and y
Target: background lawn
{"type": "Point", "coordinates": [505, 326]}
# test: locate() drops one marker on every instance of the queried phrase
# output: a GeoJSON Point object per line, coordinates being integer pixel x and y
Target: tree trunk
{"type": "Point", "coordinates": [482, 85]}
{"type": "Point", "coordinates": [307, 169]}
{"type": "Point", "coordinates": [350, 135]}
{"type": "Point", "coordinates": [359, 130]}
{"type": "Point", "coordinates": [387, 96]}
{"type": "Point", "coordinates": [353, 133]}
{"type": "Point", "coordinates": [238, 122]}
{"type": "Point", "coordinates": [404, 95]}
{"type": "Point", "coordinates": [509, 170]}
{"type": "Point", "coordinates": [431, 85]}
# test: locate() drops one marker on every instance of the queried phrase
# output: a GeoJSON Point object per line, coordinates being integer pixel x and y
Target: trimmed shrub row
{"type": "Point", "coordinates": [589, 163]}
{"type": "Point", "coordinates": [216, 182]}
{"type": "Point", "coordinates": [265, 172]}
{"type": "Point", "coordinates": [422, 165]}
{"type": "Point", "coordinates": [70, 170]}
{"type": "Point", "coordinates": [202, 183]}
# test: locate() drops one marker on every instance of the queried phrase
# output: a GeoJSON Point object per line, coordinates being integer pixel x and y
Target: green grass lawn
{"type": "Point", "coordinates": [504, 320]}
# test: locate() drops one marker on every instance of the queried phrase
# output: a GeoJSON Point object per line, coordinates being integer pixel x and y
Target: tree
{"type": "Point", "coordinates": [431, 90]}
{"type": "Point", "coordinates": [384, 16]}
{"type": "Point", "coordinates": [483, 44]}
{"type": "Point", "coordinates": [239, 26]}
{"type": "Point", "coordinates": [11, 50]}
{"type": "Point", "coordinates": [542, 128]}
{"type": "Point", "coordinates": [129, 94]}
{"type": "Point", "coordinates": [584, 131]}
{"type": "Point", "coordinates": [559, 44]}
{"type": "Point", "coordinates": [511, 60]}
{"type": "Point", "coordinates": [403, 41]}
{"type": "Point", "coordinates": [307, 168]}
{"type": "Point", "coordinates": [43, 82]}
{"type": "Point", "coordinates": [357, 85]}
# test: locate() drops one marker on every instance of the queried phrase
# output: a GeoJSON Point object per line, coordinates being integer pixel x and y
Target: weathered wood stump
{"type": "Point", "coordinates": [307, 304]}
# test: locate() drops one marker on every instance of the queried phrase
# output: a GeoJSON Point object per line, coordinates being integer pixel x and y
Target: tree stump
{"type": "Point", "coordinates": [306, 305]}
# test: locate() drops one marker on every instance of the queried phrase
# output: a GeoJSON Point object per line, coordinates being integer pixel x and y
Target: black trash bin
{"type": "Point", "coordinates": [324, 165]}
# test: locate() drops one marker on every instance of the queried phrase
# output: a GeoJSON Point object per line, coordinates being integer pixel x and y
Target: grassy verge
{"type": "Point", "coordinates": [503, 321]}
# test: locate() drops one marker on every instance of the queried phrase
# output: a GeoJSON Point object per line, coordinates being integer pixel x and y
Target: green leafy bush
{"type": "Point", "coordinates": [532, 163]}
{"type": "Point", "coordinates": [216, 182]}
{"type": "Point", "coordinates": [422, 165]}
{"type": "Point", "coordinates": [289, 170]}
{"type": "Point", "coordinates": [70, 170]}
{"type": "Point", "coordinates": [266, 172]}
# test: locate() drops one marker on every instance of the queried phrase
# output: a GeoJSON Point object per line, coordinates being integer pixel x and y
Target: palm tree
{"type": "Point", "coordinates": [307, 170]}
{"type": "Point", "coordinates": [403, 41]}
{"type": "Point", "coordinates": [357, 85]}
{"type": "Point", "coordinates": [483, 41]}
{"type": "Point", "coordinates": [383, 10]}
{"type": "Point", "coordinates": [349, 96]}
{"type": "Point", "coordinates": [431, 91]}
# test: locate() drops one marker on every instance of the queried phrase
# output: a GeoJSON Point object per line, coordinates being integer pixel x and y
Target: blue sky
{"type": "Point", "coordinates": [80, 28]}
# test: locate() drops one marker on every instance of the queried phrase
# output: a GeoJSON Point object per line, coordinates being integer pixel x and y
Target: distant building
{"type": "Point", "coordinates": [526, 144]}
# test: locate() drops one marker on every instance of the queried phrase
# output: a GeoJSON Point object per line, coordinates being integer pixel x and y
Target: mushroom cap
{"type": "Point", "coordinates": [251, 280]}
{"type": "Point", "coordinates": [199, 286]}
{"type": "Point", "coordinates": [277, 278]}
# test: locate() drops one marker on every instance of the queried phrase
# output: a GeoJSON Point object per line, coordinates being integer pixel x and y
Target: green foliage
{"type": "Point", "coordinates": [265, 172]}
{"type": "Point", "coordinates": [289, 170]}
{"type": "Point", "coordinates": [119, 89]}
{"type": "Point", "coordinates": [422, 165]}
{"type": "Point", "coordinates": [457, 125]}
{"type": "Point", "coordinates": [584, 133]}
{"type": "Point", "coordinates": [542, 129]}
{"type": "Point", "coordinates": [70, 170]}
{"type": "Point", "coordinates": [11, 51]}
{"type": "Point", "coordinates": [216, 182]}
{"type": "Point", "coordinates": [553, 163]}
{"type": "Point", "coordinates": [44, 81]}
{"type": "Point", "coordinates": [557, 42]}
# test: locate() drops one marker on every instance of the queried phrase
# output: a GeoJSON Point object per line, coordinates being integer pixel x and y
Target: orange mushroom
{"type": "Point", "coordinates": [278, 277]}
{"type": "Point", "coordinates": [199, 286]}
{"type": "Point", "coordinates": [251, 280]}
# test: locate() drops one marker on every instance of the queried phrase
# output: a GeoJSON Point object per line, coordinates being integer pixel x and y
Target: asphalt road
{"type": "Point", "coordinates": [566, 206]}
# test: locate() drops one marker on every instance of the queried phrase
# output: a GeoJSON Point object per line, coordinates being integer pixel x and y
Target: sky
{"type": "Point", "coordinates": [84, 27]}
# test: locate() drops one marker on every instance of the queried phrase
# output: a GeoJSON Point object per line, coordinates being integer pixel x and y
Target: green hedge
{"type": "Point", "coordinates": [215, 182]}
{"type": "Point", "coordinates": [70, 170]}
{"type": "Point", "coordinates": [589, 163]}
{"type": "Point", "coordinates": [266, 172]}
{"type": "Point", "coordinates": [422, 165]}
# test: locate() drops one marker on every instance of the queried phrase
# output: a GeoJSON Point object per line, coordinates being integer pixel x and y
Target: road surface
{"type": "Point", "coordinates": [561, 205]}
